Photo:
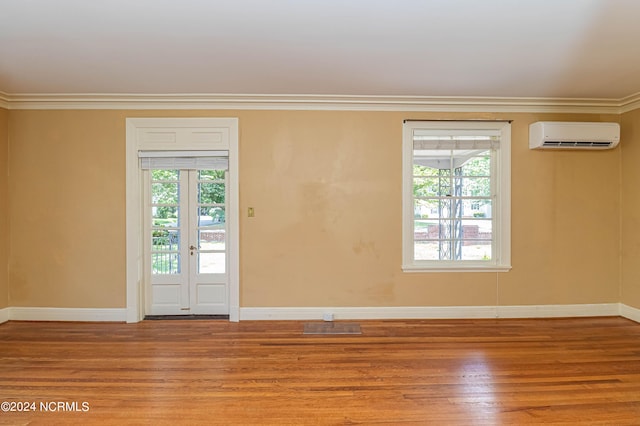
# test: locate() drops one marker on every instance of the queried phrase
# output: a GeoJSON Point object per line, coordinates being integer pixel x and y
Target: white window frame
{"type": "Point", "coordinates": [501, 203]}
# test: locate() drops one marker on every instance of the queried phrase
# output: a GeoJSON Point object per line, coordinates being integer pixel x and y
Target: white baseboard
{"type": "Point", "coordinates": [551, 311]}
{"type": "Point", "coordinates": [630, 312]}
{"type": "Point", "coordinates": [67, 314]}
{"type": "Point", "coordinates": [430, 312]}
{"type": "Point", "coordinates": [345, 313]}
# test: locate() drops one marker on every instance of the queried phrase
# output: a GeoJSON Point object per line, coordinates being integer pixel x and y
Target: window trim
{"type": "Point", "coordinates": [501, 169]}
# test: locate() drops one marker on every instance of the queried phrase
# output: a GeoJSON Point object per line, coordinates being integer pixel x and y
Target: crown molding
{"type": "Point", "coordinates": [630, 103]}
{"type": "Point", "coordinates": [318, 102]}
{"type": "Point", "coordinates": [4, 100]}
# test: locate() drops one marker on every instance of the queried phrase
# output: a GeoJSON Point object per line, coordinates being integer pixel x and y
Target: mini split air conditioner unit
{"type": "Point", "coordinates": [573, 135]}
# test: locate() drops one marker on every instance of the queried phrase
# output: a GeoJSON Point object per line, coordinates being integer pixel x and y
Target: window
{"type": "Point", "coordinates": [456, 196]}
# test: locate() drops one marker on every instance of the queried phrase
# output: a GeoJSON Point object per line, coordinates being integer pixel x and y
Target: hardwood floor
{"type": "Point", "coordinates": [440, 372]}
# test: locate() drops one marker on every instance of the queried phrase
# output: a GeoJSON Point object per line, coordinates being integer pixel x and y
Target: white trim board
{"type": "Point", "coordinates": [430, 312]}
{"type": "Point", "coordinates": [317, 102]}
{"type": "Point", "coordinates": [630, 312]}
{"type": "Point", "coordinates": [551, 311]}
{"type": "Point", "coordinates": [67, 314]}
{"type": "Point", "coordinates": [345, 313]}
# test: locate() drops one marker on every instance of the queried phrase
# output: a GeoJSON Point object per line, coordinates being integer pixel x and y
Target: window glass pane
{"type": "Point", "coordinates": [211, 193]}
{"type": "Point", "coordinates": [446, 229]}
{"type": "Point", "coordinates": [210, 174]}
{"type": "Point", "coordinates": [432, 209]}
{"type": "Point", "coordinates": [473, 186]}
{"type": "Point", "coordinates": [453, 240]}
{"type": "Point", "coordinates": [476, 251]}
{"type": "Point", "coordinates": [442, 181]}
{"type": "Point", "coordinates": [165, 174]}
{"type": "Point", "coordinates": [445, 208]}
{"type": "Point", "coordinates": [431, 187]}
{"type": "Point", "coordinates": [444, 187]}
{"type": "Point", "coordinates": [165, 216]}
{"type": "Point", "coordinates": [164, 193]}
{"type": "Point", "coordinates": [212, 239]}
{"type": "Point", "coordinates": [476, 230]}
{"type": "Point", "coordinates": [211, 263]}
{"type": "Point", "coordinates": [440, 233]}
{"type": "Point", "coordinates": [425, 209]}
{"type": "Point", "coordinates": [476, 239]}
{"type": "Point", "coordinates": [211, 216]}
{"type": "Point", "coordinates": [433, 250]}
{"type": "Point", "coordinates": [424, 171]}
{"type": "Point", "coordinates": [165, 263]}
{"type": "Point", "coordinates": [478, 166]}
{"type": "Point", "coordinates": [422, 229]}
{"type": "Point", "coordinates": [480, 208]}
{"type": "Point", "coordinates": [426, 250]}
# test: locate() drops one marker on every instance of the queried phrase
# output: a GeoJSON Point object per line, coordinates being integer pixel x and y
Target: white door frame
{"type": "Point", "coordinates": [174, 134]}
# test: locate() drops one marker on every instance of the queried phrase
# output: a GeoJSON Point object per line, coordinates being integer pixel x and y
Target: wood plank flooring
{"type": "Point", "coordinates": [436, 372]}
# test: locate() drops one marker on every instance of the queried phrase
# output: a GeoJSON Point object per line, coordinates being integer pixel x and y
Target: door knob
{"type": "Point", "coordinates": [193, 248]}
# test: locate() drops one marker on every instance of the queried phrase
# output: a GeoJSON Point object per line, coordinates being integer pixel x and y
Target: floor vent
{"type": "Point", "coordinates": [331, 328]}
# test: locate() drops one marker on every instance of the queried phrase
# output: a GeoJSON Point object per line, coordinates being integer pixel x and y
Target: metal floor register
{"type": "Point", "coordinates": [331, 328]}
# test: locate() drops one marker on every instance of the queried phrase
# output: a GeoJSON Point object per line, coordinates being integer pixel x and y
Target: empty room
{"type": "Point", "coordinates": [320, 212]}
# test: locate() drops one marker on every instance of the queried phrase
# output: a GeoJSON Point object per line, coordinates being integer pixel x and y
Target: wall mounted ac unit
{"type": "Point", "coordinates": [573, 135]}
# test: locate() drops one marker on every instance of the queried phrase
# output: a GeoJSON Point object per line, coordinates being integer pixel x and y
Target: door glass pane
{"type": "Point", "coordinates": [165, 240]}
{"type": "Point", "coordinates": [211, 216]}
{"type": "Point", "coordinates": [212, 239]}
{"type": "Point", "coordinates": [165, 263]}
{"type": "Point", "coordinates": [211, 222]}
{"type": "Point", "coordinates": [164, 193]}
{"type": "Point", "coordinates": [159, 174]}
{"type": "Point", "coordinates": [165, 222]}
{"type": "Point", "coordinates": [210, 193]}
{"type": "Point", "coordinates": [211, 174]}
{"type": "Point", "coordinates": [211, 263]}
{"type": "Point", "coordinates": [165, 216]}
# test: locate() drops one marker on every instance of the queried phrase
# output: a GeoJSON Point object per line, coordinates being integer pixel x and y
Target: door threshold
{"type": "Point", "coordinates": [186, 317]}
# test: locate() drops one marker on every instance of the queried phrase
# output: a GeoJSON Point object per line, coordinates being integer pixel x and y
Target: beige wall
{"type": "Point", "coordinates": [4, 211]}
{"type": "Point", "coordinates": [67, 192]}
{"type": "Point", "coordinates": [630, 291]}
{"type": "Point", "coordinates": [326, 188]}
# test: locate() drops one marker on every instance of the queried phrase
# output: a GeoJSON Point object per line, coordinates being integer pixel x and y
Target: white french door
{"type": "Point", "coordinates": [186, 241]}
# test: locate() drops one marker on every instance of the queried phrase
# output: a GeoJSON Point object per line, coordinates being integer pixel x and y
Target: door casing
{"type": "Point", "coordinates": [176, 134]}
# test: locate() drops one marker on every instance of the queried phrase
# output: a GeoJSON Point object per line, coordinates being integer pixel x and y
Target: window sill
{"type": "Point", "coordinates": [456, 268]}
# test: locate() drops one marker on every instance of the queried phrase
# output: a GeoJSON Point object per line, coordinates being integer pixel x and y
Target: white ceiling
{"type": "Point", "coordinates": [467, 48]}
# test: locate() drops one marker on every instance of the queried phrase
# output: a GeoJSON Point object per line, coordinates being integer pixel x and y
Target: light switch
{"type": "Point", "coordinates": [251, 213]}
